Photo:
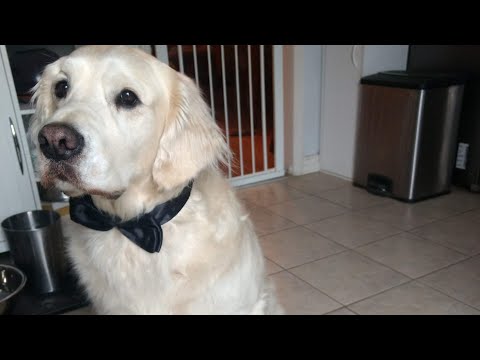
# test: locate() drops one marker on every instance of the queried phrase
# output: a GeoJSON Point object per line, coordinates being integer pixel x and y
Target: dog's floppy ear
{"type": "Point", "coordinates": [191, 140]}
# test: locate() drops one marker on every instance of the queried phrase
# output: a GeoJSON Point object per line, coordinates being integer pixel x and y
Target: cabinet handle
{"type": "Point", "coordinates": [17, 146]}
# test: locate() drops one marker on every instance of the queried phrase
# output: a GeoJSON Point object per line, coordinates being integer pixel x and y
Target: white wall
{"type": "Point", "coordinates": [312, 67]}
{"type": "Point", "coordinates": [302, 106]}
{"type": "Point", "coordinates": [384, 57]}
{"type": "Point", "coordinates": [321, 101]}
{"type": "Point", "coordinates": [340, 98]}
{"type": "Point", "coordinates": [339, 110]}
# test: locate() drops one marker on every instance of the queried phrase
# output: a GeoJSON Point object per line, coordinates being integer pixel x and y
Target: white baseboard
{"type": "Point", "coordinates": [336, 174]}
{"type": "Point", "coordinates": [311, 163]}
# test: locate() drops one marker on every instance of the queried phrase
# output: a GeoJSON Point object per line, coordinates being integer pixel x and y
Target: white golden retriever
{"type": "Point", "coordinates": [116, 123]}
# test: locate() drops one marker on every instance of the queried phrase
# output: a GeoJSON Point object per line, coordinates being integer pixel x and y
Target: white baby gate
{"type": "Point", "coordinates": [244, 86]}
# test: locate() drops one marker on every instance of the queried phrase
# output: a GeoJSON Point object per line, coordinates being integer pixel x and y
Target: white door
{"type": "Point", "coordinates": [244, 86]}
{"type": "Point", "coordinates": [16, 186]}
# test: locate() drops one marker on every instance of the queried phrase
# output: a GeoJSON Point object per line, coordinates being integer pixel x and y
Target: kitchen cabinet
{"type": "Point", "coordinates": [18, 189]}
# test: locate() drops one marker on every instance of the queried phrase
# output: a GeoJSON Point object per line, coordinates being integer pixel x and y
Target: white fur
{"type": "Point", "coordinates": [210, 261]}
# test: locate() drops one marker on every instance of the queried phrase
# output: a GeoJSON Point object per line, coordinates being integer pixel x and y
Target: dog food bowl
{"type": "Point", "coordinates": [12, 281]}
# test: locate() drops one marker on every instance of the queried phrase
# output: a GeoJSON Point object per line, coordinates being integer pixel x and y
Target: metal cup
{"type": "Point", "coordinates": [37, 247]}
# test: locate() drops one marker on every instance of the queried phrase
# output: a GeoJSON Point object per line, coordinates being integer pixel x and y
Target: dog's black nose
{"type": "Point", "coordinates": [60, 142]}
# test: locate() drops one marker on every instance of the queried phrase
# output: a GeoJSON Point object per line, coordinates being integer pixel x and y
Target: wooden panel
{"type": "Point", "coordinates": [385, 135]}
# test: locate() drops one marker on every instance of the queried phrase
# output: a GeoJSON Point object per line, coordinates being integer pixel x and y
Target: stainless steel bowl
{"type": "Point", "coordinates": [12, 281]}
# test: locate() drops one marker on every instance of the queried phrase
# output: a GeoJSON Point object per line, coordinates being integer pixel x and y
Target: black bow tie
{"type": "Point", "coordinates": [145, 231]}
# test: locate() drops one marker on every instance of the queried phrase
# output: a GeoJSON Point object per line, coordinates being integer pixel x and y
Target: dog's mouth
{"type": "Point", "coordinates": [66, 173]}
{"type": "Point", "coordinates": [60, 170]}
{"type": "Point", "coordinates": [108, 195]}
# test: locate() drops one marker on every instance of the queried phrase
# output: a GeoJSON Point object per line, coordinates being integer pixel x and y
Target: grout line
{"type": "Point", "coordinates": [436, 242]}
{"type": "Point", "coordinates": [312, 261]}
{"type": "Point", "coordinates": [345, 249]}
{"type": "Point", "coordinates": [359, 212]}
{"type": "Point", "coordinates": [428, 241]}
{"type": "Point", "coordinates": [390, 288]}
{"type": "Point", "coordinates": [379, 263]}
{"type": "Point", "coordinates": [326, 238]}
{"type": "Point", "coordinates": [326, 218]}
{"type": "Point", "coordinates": [386, 203]}
{"type": "Point", "coordinates": [276, 272]}
{"type": "Point", "coordinates": [306, 282]}
{"type": "Point", "coordinates": [449, 296]}
{"type": "Point", "coordinates": [317, 198]}
{"type": "Point", "coordinates": [354, 311]}
{"type": "Point", "coordinates": [398, 271]}
{"type": "Point", "coordinates": [372, 217]}
{"type": "Point", "coordinates": [280, 202]}
{"type": "Point", "coordinates": [306, 194]}
{"type": "Point", "coordinates": [425, 275]}
{"type": "Point", "coordinates": [356, 247]}
{"type": "Point", "coordinates": [343, 307]}
{"type": "Point", "coordinates": [469, 257]}
{"type": "Point", "coordinates": [315, 221]}
{"type": "Point", "coordinates": [416, 227]}
{"type": "Point", "coordinates": [421, 282]}
{"type": "Point", "coordinates": [379, 293]}
{"type": "Point", "coordinates": [410, 279]}
{"type": "Point", "coordinates": [277, 231]}
{"type": "Point", "coordinates": [440, 219]}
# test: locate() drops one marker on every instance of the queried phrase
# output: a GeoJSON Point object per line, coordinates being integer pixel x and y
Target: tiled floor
{"type": "Point", "coordinates": [335, 249]}
{"type": "Point", "coordinates": [332, 248]}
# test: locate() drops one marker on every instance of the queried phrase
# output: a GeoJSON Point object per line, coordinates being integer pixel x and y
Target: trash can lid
{"type": "Point", "coordinates": [414, 80]}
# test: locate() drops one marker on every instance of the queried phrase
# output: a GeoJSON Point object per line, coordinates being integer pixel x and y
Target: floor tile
{"type": "Point", "coordinates": [352, 229]}
{"type": "Point", "coordinates": [349, 277]}
{"type": "Point", "coordinates": [307, 210]}
{"type": "Point", "coordinates": [299, 298]}
{"type": "Point", "coordinates": [354, 198]}
{"type": "Point", "coordinates": [342, 311]}
{"type": "Point", "coordinates": [271, 267]}
{"type": "Point", "coordinates": [460, 281]}
{"type": "Point", "coordinates": [296, 246]}
{"type": "Point", "coordinates": [266, 222]}
{"type": "Point", "coordinates": [401, 215]}
{"type": "Point", "coordinates": [473, 215]}
{"type": "Point", "coordinates": [455, 232]}
{"type": "Point", "coordinates": [412, 299]}
{"type": "Point", "coordinates": [410, 254]}
{"type": "Point", "coordinates": [270, 194]}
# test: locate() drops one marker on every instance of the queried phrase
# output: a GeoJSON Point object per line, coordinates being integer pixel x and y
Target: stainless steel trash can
{"type": "Point", "coordinates": [406, 134]}
{"type": "Point", "coordinates": [37, 247]}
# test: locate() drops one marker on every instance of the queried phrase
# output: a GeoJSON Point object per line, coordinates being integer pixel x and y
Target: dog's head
{"type": "Point", "coordinates": [109, 116]}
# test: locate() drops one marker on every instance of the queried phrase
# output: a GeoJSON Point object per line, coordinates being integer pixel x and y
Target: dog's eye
{"type": "Point", "coordinates": [61, 89]}
{"type": "Point", "coordinates": [127, 99]}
